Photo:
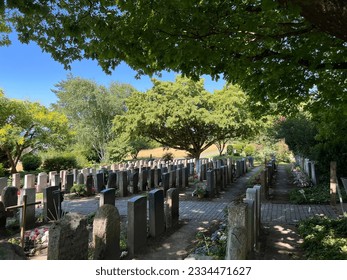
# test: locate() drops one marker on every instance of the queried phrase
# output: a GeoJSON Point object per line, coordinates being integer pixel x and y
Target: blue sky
{"type": "Point", "coordinates": [28, 73]}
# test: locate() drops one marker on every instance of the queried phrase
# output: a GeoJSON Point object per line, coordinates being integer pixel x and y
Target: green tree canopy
{"type": "Point", "coordinates": [183, 115]}
{"type": "Point", "coordinates": [91, 109]}
{"type": "Point", "coordinates": [27, 125]}
{"type": "Point", "coordinates": [283, 51]}
{"type": "Point", "coordinates": [299, 133]}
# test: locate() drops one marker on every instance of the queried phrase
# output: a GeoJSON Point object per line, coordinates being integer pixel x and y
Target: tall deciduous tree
{"type": "Point", "coordinates": [91, 109]}
{"type": "Point", "coordinates": [183, 115]}
{"type": "Point", "coordinates": [276, 50]}
{"type": "Point", "coordinates": [30, 125]}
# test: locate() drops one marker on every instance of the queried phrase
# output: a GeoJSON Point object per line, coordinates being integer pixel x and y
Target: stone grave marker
{"type": "Point", "coordinates": [106, 233]}
{"type": "Point", "coordinates": [143, 179]}
{"type": "Point", "coordinates": [80, 179]}
{"type": "Point", "coordinates": [107, 196]}
{"type": "Point", "coordinates": [9, 196]}
{"type": "Point", "coordinates": [179, 178]}
{"type": "Point", "coordinates": [16, 180]}
{"type": "Point", "coordinates": [51, 203]}
{"type": "Point", "coordinates": [29, 181]}
{"type": "Point", "coordinates": [112, 180]}
{"type": "Point", "coordinates": [89, 184]}
{"type": "Point", "coordinates": [69, 181]}
{"type": "Point", "coordinates": [150, 179]}
{"type": "Point", "coordinates": [30, 210]}
{"type": "Point", "coordinates": [42, 181]}
{"type": "Point", "coordinates": [165, 182]}
{"type": "Point", "coordinates": [68, 238]}
{"type": "Point", "coordinates": [99, 182]}
{"type": "Point", "coordinates": [55, 180]}
{"type": "Point", "coordinates": [137, 224]}
{"type": "Point", "coordinates": [123, 183]}
{"type": "Point", "coordinates": [172, 209]}
{"type": "Point", "coordinates": [156, 213]}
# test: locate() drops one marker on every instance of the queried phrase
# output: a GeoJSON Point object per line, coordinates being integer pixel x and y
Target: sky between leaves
{"type": "Point", "coordinates": [29, 74]}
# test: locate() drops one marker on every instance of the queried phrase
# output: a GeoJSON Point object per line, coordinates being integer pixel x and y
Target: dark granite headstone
{"type": "Point", "coordinates": [123, 183]}
{"type": "Point", "coordinates": [137, 224]}
{"type": "Point", "coordinates": [156, 213]}
{"type": "Point", "coordinates": [9, 196]}
{"type": "Point", "coordinates": [112, 180]}
{"type": "Point", "coordinates": [107, 196]}
{"type": "Point", "coordinates": [99, 182]}
{"type": "Point", "coordinates": [51, 203]}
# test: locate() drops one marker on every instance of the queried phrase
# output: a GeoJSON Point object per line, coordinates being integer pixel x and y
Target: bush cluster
{"type": "Point", "coordinates": [31, 162]}
{"type": "Point", "coordinates": [59, 163]}
{"type": "Point", "coordinates": [324, 239]}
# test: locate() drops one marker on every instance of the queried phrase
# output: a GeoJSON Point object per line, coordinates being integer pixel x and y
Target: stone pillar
{"type": "Point", "coordinates": [106, 233]}
{"type": "Point", "coordinates": [156, 213]}
{"type": "Point", "coordinates": [68, 238]}
{"type": "Point", "coordinates": [237, 235]}
{"type": "Point", "coordinates": [137, 224]}
{"type": "Point", "coordinates": [251, 244]}
{"type": "Point", "coordinates": [251, 194]}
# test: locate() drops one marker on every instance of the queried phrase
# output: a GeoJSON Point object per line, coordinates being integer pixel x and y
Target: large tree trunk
{"type": "Point", "coordinates": [13, 163]}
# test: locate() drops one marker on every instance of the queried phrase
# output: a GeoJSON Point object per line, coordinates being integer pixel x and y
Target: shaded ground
{"type": "Point", "coordinates": [280, 241]}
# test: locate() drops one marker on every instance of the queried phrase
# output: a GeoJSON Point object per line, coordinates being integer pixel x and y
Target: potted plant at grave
{"type": "Point", "coordinates": [200, 191]}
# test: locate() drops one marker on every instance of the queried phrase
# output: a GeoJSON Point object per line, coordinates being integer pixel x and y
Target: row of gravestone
{"type": "Point", "coordinates": [309, 167]}
{"type": "Point", "coordinates": [69, 238]}
{"type": "Point", "coordinates": [147, 176]}
{"type": "Point", "coordinates": [217, 173]}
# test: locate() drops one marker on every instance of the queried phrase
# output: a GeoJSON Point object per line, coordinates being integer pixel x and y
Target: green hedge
{"type": "Point", "coordinates": [31, 162]}
{"type": "Point", "coordinates": [59, 163]}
